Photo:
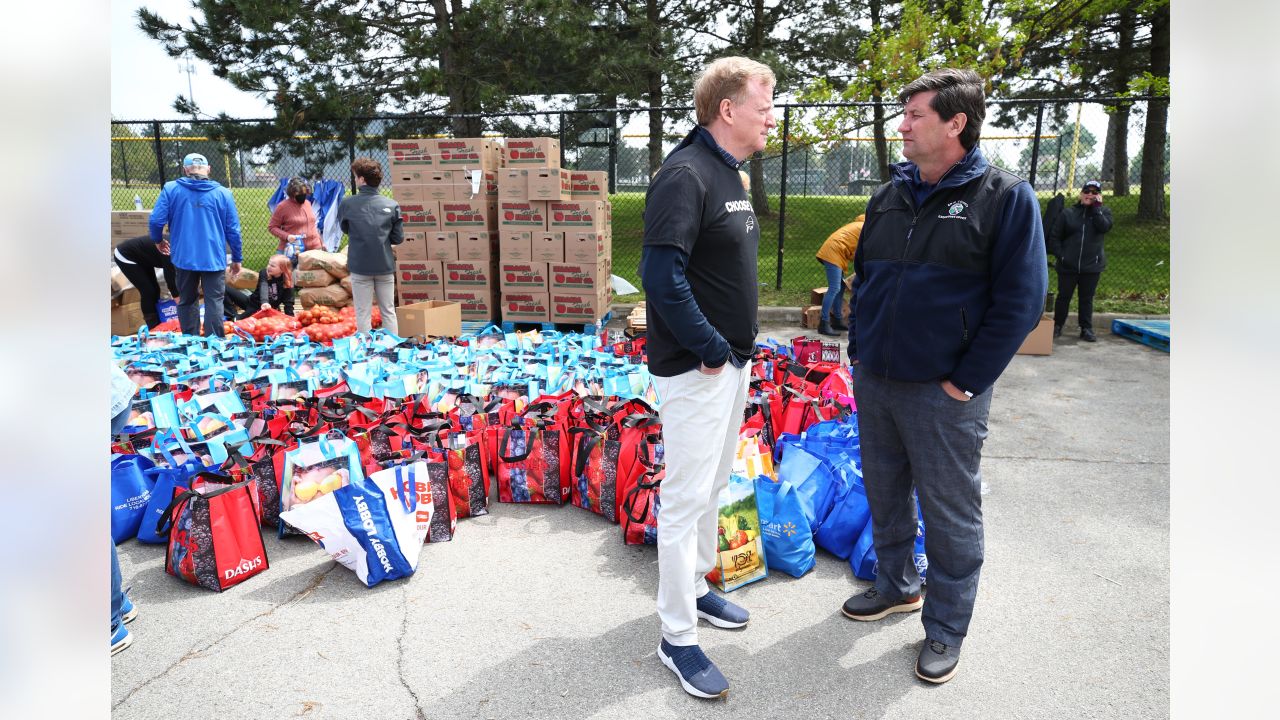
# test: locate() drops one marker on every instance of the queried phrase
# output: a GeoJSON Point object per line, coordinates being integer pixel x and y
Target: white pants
{"type": "Point", "coordinates": [363, 288]}
{"type": "Point", "coordinates": [701, 415]}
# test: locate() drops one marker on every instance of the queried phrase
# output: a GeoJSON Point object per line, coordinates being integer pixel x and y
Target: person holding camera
{"type": "Point", "coordinates": [1076, 240]}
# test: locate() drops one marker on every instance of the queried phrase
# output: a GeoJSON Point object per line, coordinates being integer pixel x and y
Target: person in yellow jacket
{"type": "Point", "coordinates": [835, 255]}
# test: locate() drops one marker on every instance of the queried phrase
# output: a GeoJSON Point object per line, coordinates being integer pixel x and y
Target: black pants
{"type": "Point", "coordinates": [1067, 284]}
{"type": "Point", "coordinates": [239, 303]}
{"type": "Point", "coordinates": [143, 277]}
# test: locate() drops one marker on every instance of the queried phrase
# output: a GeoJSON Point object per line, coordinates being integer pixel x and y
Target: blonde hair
{"type": "Point", "coordinates": [286, 268]}
{"type": "Point", "coordinates": [726, 79]}
{"type": "Point", "coordinates": [746, 179]}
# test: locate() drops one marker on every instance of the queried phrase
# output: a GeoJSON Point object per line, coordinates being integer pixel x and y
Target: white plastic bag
{"type": "Point", "coordinates": [375, 526]}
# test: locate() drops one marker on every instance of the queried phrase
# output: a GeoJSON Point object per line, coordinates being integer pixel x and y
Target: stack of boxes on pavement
{"type": "Point", "coordinates": [502, 230]}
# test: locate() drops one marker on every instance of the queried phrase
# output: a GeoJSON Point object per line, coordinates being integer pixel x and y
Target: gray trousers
{"type": "Point", "coordinates": [915, 435]}
{"type": "Point", "coordinates": [363, 290]}
{"type": "Point", "coordinates": [190, 282]}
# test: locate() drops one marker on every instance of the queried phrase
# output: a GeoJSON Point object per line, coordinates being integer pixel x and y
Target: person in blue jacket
{"type": "Point", "coordinates": [951, 275]}
{"type": "Point", "coordinates": [203, 224]}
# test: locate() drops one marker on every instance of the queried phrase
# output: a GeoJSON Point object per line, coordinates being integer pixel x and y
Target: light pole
{"type": "Point", "coordinates": [188, 66]}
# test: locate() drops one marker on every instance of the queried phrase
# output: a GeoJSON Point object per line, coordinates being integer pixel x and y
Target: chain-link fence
{"type": "Point", "coordinates": [821, 165]}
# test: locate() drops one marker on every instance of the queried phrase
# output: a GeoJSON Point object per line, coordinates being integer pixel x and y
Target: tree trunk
{"type": "Point", "coordinates": [452, 49]}
{"type": "Point", "coordinates": [1108, 148]}
{"type": "Point", "coordinates": [759, 198]}
{"type": "Point", "coordinates": [882, 144]}
{"type": "Point", "coordinates": [1119, 155]}
{"type": "Point", "coordinates": [877, 127]}
{"type": "Point", "coordinates": [654, 18]}
{"type": "Point", "coordinates": [1120, 175]}
{"type": "Point", "coordinates": [1151, 196]}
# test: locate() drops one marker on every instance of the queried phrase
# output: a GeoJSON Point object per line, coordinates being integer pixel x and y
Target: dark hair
{"type": "Point", "coordinates": [369, 169]}
{"type": "Point", "coordinates": [959, 91]}
{"type": "Point", "coordinates": [297, 186]}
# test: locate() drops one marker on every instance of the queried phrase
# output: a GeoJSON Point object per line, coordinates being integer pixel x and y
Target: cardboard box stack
{"type": "Point", "coordinates": [448, 194]}
{"type": "Point", "coordinates": [554, 237]}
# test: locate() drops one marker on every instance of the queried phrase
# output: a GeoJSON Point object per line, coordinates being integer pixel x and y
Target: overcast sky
{"type": "Point", "coordinates": [145, 81]}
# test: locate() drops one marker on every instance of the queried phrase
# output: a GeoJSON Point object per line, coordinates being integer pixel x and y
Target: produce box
{"type": "Point", "coordinates": [433, 318]}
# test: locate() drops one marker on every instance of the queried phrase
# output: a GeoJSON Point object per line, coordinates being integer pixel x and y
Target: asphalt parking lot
{"type": "Point", "coordinates": [543, 612]}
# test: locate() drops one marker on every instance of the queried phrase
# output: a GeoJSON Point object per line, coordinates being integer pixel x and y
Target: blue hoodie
{"type": "Point", "coordinates": [929, 306]}
{"type": "Point", "coordinates": [202, 220]}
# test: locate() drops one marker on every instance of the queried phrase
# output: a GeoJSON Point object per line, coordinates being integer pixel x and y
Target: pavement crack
{"type": "Point", "coordinates": [404, 629]}
{"type": "Point", "coordinates": [200, 652]}
{"type": "Point", "coordinates": [1090, 461]}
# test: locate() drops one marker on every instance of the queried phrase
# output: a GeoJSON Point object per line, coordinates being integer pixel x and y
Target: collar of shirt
{"type": "Point", "coordinates": [703, 137]}
{"type": "Point", "coordinates": [369, 190]}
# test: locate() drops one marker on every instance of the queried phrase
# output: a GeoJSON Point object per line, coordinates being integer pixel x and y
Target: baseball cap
{"type": "Point", "coordinates": [194, 159]}
{"type": "Point", "coordinates": [1092, 183]}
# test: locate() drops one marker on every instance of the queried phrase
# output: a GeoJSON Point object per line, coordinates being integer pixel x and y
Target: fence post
{"type": "Point", "coordinates": [155, 127]}
{"type": "Point", "coordinates": [351, 154]}
{"type": "Point", "coordinates": [561, 138]}
{"type": "Point", "coordinates": [782, 191]}
{"type": "Point", "coordinates": [613, 152]}
{"type": "Point", "coordinates": [807, 149]}
{"type": "Point", "coordinates": [1035, 147]}
{"type": "Point", "coordinates": [124, 163]}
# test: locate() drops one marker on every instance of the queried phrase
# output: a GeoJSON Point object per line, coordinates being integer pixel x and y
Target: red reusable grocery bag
{"type": "Point", "coordinates": [214, 538]}
{"type": "Point", "coordinates": [527, 460]}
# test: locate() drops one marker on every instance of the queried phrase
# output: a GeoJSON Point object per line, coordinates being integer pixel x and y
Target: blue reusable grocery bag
{"type": "Point", "coordinates": [863, 560]}
{"type": "Point", "coordinates": [788, 542]}
{"type": "Point", "coordinates": [849, 515]}
{"type": "Point", "coordinates": [810, 475]}
{"type": "Point", "coordinates": [130, 493]}
{"type": "Point", "coordinates": [177, 475]}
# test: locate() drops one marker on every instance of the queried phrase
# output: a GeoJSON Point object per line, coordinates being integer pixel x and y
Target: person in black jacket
{"type": "Point", "coordinates": [1076, 239]}
{"type": "Point", "coordinates": [138, 259]}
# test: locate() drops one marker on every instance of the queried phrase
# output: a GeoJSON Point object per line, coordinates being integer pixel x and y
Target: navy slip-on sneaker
{"type": "Point", "coordinates": [720, 612]}
{"type": "Point", "coordinates": [938, 661]}
{"type": "Point", "coordinates": [698, 675]}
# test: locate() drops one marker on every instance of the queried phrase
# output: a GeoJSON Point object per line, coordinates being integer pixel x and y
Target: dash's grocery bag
{"type": "Point", "coordinates": [740, 558]}
{"type": "Point", "coordinates": [527, 462]}
{"type": "Point", "coordinates": [784, 528]}
{"type": "Point", "coordinates": [130, 494]}
{"type": "Point", "coordinates": [374, 526]}
{"type": "Point", "coordinates": [214, 538]}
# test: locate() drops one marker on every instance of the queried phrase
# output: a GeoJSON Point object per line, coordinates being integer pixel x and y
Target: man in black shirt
{"type": "Point", "coordinates": [698, 267]}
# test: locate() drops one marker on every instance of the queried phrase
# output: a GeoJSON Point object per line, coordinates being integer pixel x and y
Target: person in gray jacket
{"type": "Point", "coordinates": [372, 222]}
{"type": "Point", "coordinates": [1076, 239]}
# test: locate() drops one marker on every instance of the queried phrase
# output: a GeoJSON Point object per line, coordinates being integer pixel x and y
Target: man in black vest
{"type": "Point", "coordinates": [950, 277]}
{"type": "Point", "coordinates": [698, 267]}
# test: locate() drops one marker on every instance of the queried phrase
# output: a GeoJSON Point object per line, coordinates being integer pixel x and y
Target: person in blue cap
{"type": "Point", "coordinates": [203, 225]}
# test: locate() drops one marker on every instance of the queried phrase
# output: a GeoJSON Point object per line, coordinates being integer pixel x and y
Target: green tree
{"type": "Point", "coordinates": [320, 64]}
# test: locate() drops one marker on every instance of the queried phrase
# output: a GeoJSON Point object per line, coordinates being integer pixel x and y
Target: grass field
{"type": "Point", "coordinates": [1136, 280]}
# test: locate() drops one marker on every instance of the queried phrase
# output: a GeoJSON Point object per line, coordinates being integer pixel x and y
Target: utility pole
{"type": "Point", "coordinates": [188, 66]}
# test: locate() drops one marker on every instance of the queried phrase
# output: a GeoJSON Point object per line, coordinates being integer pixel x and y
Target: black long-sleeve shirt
{"type": "Point", "coordinates": [273, 292]}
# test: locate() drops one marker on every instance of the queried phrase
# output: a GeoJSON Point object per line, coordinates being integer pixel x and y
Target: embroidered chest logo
{"type": "Point", "coordinates": [956, 211]}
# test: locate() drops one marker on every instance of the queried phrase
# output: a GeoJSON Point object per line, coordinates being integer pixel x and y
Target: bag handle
{"type": "Point", "coordinates": [588, 438]}
{"type": "Point", "coordinates": [407, 487]}
{"type": "Point", "coordinates": [505, 444]}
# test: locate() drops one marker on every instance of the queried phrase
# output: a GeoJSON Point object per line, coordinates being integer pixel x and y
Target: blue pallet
{"type": "Point", "coordinates": [509, 326]}
{"type": "Point", "coordinates": [1153, 333]}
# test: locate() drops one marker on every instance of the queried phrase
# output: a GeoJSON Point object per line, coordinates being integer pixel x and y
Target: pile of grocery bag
{"type": "Point", "coordinates": [371, 445]}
